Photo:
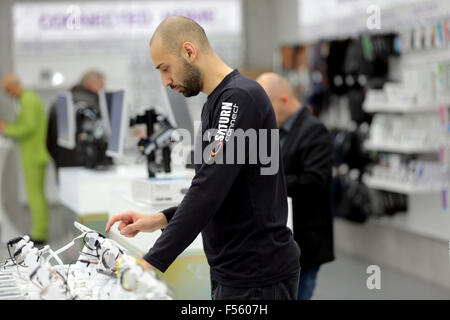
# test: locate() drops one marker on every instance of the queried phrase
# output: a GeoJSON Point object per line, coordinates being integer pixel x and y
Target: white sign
{"type": "Point", "coordinates": [42, 22]}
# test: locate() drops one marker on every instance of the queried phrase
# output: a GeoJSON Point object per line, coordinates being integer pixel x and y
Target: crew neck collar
{"type": "Point", "coordinates": [224, 80]}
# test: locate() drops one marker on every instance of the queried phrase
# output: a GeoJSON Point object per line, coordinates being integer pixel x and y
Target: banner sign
{"type": "Point", "coordinates": [42, 22]}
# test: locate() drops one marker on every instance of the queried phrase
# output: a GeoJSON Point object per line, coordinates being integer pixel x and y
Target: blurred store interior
{"type": "Point", "coordinates": [375, 73]}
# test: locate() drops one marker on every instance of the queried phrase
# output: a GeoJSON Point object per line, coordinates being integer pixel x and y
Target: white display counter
{"type": "Point", "coordinates": [8, 230]}
{"type": "Point", "coordinates": [87, 192]}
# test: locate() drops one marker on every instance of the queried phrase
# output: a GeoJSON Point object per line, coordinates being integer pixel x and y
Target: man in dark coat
{"type": "Point", "coordinates": [306, 148]}
{"type": "Point", "coordinates": [84, 94]}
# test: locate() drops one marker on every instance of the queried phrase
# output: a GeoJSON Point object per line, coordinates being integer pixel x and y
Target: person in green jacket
{"type": "Point", "coordinates": [30, 130]}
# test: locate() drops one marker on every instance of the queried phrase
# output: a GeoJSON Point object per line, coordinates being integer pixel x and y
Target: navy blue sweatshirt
{"type": "Point", "coordinates": [241, 213]}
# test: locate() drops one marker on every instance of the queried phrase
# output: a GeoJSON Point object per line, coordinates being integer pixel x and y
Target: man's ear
{"type": "Point", "coordinates": [189, 51]}
{"type": "Point", "coordinates": [284, 100]}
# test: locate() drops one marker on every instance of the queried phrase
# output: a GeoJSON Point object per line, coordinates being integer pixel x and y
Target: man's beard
{"type": "Point", "coordinates": [192, 83]}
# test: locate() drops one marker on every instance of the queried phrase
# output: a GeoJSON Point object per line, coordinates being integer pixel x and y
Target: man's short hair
{"type": "Point", "coordinates": [176, 30]}
{"type": "Point", "coordinates": [91, 75]}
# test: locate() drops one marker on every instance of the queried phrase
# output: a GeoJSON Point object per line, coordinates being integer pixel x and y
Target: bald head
{"type": "Point", "coordinates": [172, 32]}
{"type": "Point", "coordinates": [179, 48]}
{"type": "Point", "coordinates": [11, 84]}
{"type": "Point", "coordinates": [93, 80]}
{"type": "Point", "coordinates": [10, 79]}
{"type": "Point", "coordinates": [275, 85]}
{"type": "Point", "coordinates": [180, 51]}
{"type": "Point", "coordinates": [281, 94]}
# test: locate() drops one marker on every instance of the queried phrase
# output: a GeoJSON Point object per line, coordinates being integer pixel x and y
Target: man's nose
{"type": "Point", "coordinates": [166, 80]}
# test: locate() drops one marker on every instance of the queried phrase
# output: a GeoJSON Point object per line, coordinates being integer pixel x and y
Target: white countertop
{"type": "Point", "coordinates": [121, 202]}
{"type": "Point", "coordinates": [88, 191]}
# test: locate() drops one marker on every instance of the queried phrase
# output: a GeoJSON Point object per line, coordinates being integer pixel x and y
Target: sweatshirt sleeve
{"type": "Point", "coordinates": [212, 182]}
{"type": "Point", "coordinates": [26, 120]}
{"type": "Point", "coordinates": [169, 212]}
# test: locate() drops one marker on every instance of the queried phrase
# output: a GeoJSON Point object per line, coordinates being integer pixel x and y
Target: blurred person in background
{"type": "Point", "coordinates": [84, 94]}
{"type": "Point", "coordinates": [30, 130]}
{"type": "Point", "coordinates": [306, 148]}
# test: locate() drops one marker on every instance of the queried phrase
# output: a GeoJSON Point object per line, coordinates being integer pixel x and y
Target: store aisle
{"type": "Point", "coordinates": [345, 278]}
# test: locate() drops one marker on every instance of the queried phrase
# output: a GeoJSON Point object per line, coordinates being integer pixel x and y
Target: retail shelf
{"type": "Point", "coordinates": [372, 107]}
{"type": "Point", "coordinates": [389, 147]}
{"type": "Point", "coordinates": [397, 186]}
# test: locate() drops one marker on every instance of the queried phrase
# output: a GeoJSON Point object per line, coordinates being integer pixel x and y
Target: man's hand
{"type": "Point", "coordinates": [131, 223]}
{"type": "Point", "coordinates": [2, 125]}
